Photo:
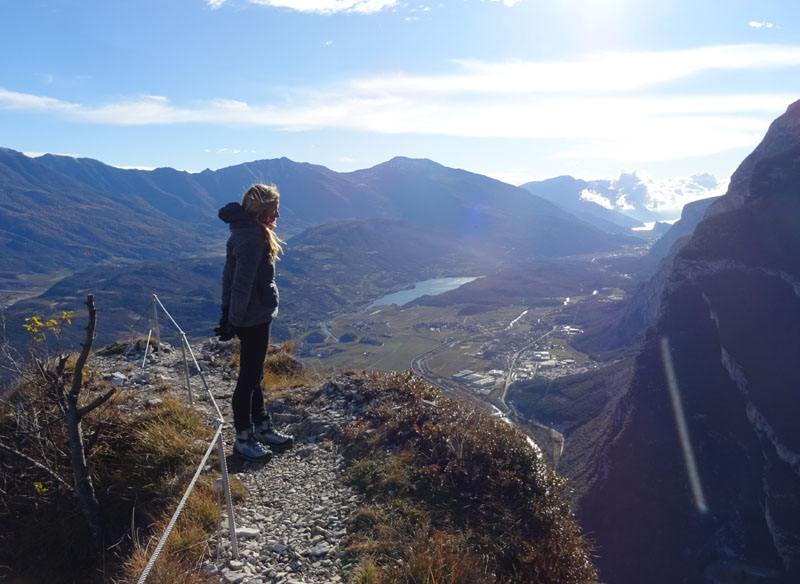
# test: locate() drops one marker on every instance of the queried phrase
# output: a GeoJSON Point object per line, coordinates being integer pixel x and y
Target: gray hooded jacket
{"type": "Point", "coordinates": [249, 293]}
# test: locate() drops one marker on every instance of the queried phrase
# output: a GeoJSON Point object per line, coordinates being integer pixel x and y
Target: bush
{"type": "Point", "coordinates": [140, 462]}
{"type": "Point", "coordinates": [480, 504]}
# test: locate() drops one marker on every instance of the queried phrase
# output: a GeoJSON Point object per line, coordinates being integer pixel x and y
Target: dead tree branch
{"type": "Point", "coordinates": [36, 465]}
{"type": "Point", "coordinates": [80, 468]}
{"type": "Point", "coordinates": [97, 402]}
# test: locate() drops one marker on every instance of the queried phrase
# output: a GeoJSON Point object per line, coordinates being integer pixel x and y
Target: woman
{"type": "Point", "coordinates": [249, 303]}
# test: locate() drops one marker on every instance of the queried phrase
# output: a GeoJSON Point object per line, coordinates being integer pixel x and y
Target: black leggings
{"type": "Point", "coordinates": [248, 400]}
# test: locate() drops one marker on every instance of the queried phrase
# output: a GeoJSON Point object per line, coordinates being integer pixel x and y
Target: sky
{"type": "Point", "coordinates": [518, 90]}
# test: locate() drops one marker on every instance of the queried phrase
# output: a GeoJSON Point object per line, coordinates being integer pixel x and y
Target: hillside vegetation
{"type": "Point", "coordinates": [451, 494]}
{"type": "Point", "coordinates": [457, 494]}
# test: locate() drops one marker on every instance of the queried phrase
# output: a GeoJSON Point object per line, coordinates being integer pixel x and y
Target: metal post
{"type": "Point", "coordinates": [182, 341]}
{"type": "Point", "coordinates": [147, 346]}
{"type": "Point", "coordinates": [228, 502]}
{"type": "Point", "coordinates": [219, 488]}
{"type": "Point", "coordinates": [155, 323]}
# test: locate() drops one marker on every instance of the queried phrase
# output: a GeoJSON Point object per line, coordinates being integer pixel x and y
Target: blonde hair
{"type": "Point", "coordinates": [255, 200]}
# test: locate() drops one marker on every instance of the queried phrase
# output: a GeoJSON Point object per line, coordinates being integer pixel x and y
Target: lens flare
{"type": "Point", "coordinates": [683, 429]}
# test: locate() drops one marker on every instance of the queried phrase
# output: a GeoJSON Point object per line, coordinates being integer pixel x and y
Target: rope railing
{"type": "Point", "coordinates": [216, 441]}
{"type": "Point", "coordinates": [178, 510]}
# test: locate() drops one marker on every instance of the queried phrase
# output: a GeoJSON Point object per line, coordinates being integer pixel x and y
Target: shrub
{"type": "Point", "coordinates": [480, 504]}
{"type": "Point", "coordinates": [282, 371]}
{"type": "Point", "coordinates": [141, 463]}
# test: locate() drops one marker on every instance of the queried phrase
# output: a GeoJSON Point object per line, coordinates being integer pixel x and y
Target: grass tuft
{"type": "Point", "coordinates": [282, 372]}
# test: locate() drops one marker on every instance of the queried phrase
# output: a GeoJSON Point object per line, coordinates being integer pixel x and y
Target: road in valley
{"type": "Point", "coordinates": [510, 376]}
{"type": "Point", "coordinates": [324, 327]}
{"type": "Point", "coordinates": [419, 367]}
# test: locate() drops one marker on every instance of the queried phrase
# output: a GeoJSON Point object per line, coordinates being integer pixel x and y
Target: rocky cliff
{"type": "Point", "coordinates": [701, 481]}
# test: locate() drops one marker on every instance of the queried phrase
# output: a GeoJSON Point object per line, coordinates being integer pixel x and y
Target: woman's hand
{"type": "Point", "coordinates": [225, 331]}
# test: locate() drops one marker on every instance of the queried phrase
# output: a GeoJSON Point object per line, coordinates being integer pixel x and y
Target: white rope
{"type": "Point", "coordinates": [191, 353]}
{"type": "Point", "coordinates": [216, 441]}
{"type": "Point", "coordinates": [169, 316]}
{"type": "Point", "coordinates": [223, 465]}
{"type": "Point", "coordinates": [147, 346]}
{"type": "Point", "coordinates": [203, 379]}
{"type": "Point", "coordinates": [175, 515]}
{"type": "Point", "coordinates": [218, 488]}
{"type": "Point", "coordinates": [130, 332]}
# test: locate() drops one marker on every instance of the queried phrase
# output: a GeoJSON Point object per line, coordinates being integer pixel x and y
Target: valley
{"type": "Point", "coordinates": [477, 345]}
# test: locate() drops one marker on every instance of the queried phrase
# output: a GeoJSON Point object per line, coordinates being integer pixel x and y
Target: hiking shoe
{"type": "Point", "coordinates": [267, 435]}
{"type": "Point", "coordinates": [250, 448]}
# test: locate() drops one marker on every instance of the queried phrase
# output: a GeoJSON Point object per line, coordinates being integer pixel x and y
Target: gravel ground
{"type": "Point", "coordinates": [291, 526]}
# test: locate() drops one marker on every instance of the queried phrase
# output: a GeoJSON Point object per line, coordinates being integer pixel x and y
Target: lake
{"type": "Point", "coordinates": [429, 287]}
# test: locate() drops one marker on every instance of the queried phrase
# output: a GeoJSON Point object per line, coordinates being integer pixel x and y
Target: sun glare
{"type": "Point", "coordinates": [683, 429]}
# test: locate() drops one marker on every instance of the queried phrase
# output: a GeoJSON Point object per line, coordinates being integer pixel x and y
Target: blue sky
{"type": "Point", "coordinates": [518, 90]}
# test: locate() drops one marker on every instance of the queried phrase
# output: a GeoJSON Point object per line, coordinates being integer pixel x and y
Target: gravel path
{"type": "Point", "coordinates": [292, 524]}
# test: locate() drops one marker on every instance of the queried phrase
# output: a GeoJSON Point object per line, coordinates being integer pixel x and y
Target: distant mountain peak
{"type": "Point", "coordinates": [405, 162]}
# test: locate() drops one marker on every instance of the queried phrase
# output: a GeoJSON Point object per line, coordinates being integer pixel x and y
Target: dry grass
{"type": "Point", "coordinates": [454, 496]}
{"type": "Point", "coordinates": [166, 570]}
{"type": "Point", "coordinates": [366, 572]}
{"type": "Point", "coordinates": [141, 463]}
{"type": "Point", "coordinates": [281, 371]}
{"type": "Point", "coordinates": [185, 548]}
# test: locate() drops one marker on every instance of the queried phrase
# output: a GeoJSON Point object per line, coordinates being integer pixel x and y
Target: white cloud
{"type": "Point", "coordinates": [756, 24]}
{"type": "Point", "coordinates": [670, 195]}
{"type": "Point", "coordinates": [622, 203]}
{"type": "Point", "coordinates": [328, 43]}
{"type": "Point", "coordinates": [638, 191]}
{"type": "Point", "coordinates": [598, 102]}
{"type": "Point", "coordinates": [214, 4]}
{"type": "Point", "coordinates": [134, 167]}
{"type": "Point", "coordinates": [600, 72]}
{"type": "Point", "coordinates": [330, 6]}
{"type": "Point", "coordinates": [596, 198]}
{"type": "Point", "coordinates": [508, 2]}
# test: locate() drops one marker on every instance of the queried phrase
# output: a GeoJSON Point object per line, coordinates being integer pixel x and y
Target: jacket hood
{"type": "Point", "coordinates": [235, 215]}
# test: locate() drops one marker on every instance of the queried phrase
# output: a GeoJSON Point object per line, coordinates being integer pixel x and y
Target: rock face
{"type": "Point", "coordinates": [678, 233]}
{"type": "Point", "coordinates": [701, 481]}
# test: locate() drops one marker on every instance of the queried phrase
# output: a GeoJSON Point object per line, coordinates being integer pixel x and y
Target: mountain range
{"type": "Point", "coordinates": [627, 200]}
{"type": "Point", "coordinates": [368, 232]}
{"type": "Point", "coordinates": [59, 211]}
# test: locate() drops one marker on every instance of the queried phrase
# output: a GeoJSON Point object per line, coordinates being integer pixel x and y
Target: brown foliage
{"type": "Point", "coordinates": [484, 502]}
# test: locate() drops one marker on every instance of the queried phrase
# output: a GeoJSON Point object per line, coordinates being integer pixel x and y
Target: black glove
{"type": "Point", "coordinates": [225, 331]}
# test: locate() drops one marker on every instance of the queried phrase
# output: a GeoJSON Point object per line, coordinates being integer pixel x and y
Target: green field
{"type": "Point", "coordinates": [408, 333]}
{"type": "Point", "coordinates": [397, 336]}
